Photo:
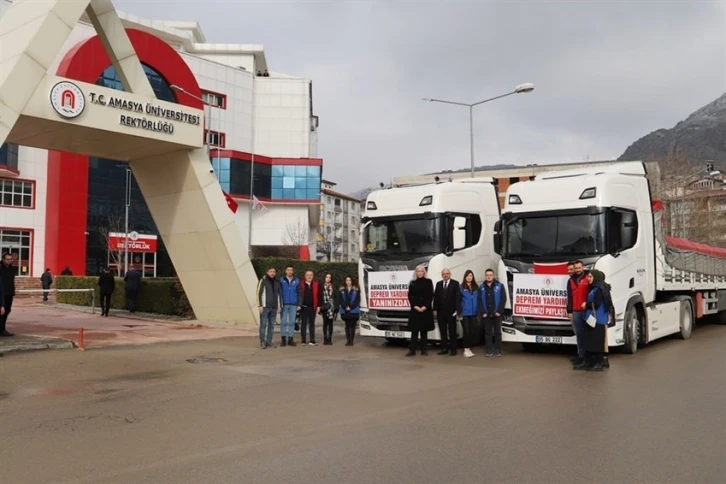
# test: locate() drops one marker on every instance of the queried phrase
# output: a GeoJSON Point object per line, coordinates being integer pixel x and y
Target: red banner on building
{"type": "Point", "coordinates": [137, 242]}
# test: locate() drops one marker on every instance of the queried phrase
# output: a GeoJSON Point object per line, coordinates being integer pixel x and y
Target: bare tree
{"type": "Point", "coordinates": [115, 224]}
{"type": "Point", "coordinates": [295, 236]}
{"type": "Point", "coordinates": [328, 246]}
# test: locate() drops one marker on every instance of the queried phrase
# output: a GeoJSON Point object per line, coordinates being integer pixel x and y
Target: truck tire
{"type": "Point", "coordinates": [631, 330]}
{"type": "Point", "coordinates": [686, 318]}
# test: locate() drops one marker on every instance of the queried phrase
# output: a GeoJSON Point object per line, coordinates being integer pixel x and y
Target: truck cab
{"type": "Point", "coordinates": [438, 225]}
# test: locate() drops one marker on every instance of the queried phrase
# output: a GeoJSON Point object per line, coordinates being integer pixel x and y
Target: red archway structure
{"type": "Point", "coordinates": [67, 192]}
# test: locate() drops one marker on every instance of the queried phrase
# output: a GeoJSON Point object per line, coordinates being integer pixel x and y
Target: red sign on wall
{"type": "Point", "coordinates": [137, 242]}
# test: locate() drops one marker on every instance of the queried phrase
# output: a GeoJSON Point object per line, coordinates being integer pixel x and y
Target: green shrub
{"type": "Point", "coordinates": [164, 295]}
{"type": "Point", "coordinates": [159, 295]}
{"type": "Point", "coordinates": [339, 270]}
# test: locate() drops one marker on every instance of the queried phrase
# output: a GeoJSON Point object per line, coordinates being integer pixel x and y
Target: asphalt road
{"type": "Point", "coordinates": [362, 415]}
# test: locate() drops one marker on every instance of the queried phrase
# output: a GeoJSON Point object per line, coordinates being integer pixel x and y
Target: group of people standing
{"type": "Point", "coordinates": [289, 297]}
{"type": "Point", "coordinates": [591, 310]}
{"type": "Point", "coordinates": [450, 301]}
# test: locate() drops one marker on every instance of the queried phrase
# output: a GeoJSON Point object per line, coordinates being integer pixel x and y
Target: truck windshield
{"type": "Point", "coordinates": [392, 236]}
{"type": "Point", "coordinates": [552, 235]}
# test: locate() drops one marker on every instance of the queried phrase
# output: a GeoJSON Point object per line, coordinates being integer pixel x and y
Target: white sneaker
{"type": "Point", "coordinates": [468, 353]}
{"type": "Point", "coordinates": [313, 344]}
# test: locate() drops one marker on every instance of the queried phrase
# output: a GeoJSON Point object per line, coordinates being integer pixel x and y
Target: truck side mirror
{"type": "Point", "coordinates": [628, 230]}
{"type": "Point", "coordinates": [498, 237]}
{"type": "Point", "coordinates": [459, 236]}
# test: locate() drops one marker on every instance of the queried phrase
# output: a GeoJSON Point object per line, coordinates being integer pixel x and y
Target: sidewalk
{"type": "Point", "coordinates": [36, 324]}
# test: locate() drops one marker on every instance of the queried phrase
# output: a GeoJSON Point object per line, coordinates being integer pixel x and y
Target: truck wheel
{"type": "Point", "coordinates": [686, 319]}
{"type": "Point", "coordinates": [631, 331]}
{"type": "Point", "coordinates": [721, 317]}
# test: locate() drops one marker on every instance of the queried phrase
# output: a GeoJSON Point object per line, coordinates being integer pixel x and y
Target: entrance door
{"type": "Point", "coordinates": [19, 243]}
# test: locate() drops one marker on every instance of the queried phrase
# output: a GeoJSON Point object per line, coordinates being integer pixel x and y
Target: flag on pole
{"type": "Point", "coordinates": [257, 205]}
{"type": "Point", "coordinates": [230, 202]}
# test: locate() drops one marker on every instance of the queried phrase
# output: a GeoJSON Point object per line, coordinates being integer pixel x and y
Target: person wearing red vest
{"type": "Point", "coordinates": [577, 290]}
{"type": "Point", "coordinates": [308, 295]}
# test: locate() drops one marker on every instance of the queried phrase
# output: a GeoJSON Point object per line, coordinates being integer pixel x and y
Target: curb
{"type": "Point", "coordinates": [55, 345]}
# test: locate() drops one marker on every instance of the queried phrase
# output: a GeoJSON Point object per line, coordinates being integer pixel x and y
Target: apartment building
{"type": "Point", "coordinates": [339, 230]}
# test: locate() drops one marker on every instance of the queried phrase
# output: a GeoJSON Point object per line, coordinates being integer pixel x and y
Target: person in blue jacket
{"type": "Point", "coordinates": [492, 299]}
{"type": "Point", "coordinates": [598, 305]}
{"type": "Point", "coordinates": [467, 310]}
{"type": "Point", "coordinates": [290, 306]}
{"type": "Point", "coordinates": [349, 309]}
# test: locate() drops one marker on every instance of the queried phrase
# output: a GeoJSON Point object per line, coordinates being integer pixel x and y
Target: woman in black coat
{"type": "Point", "coordinates": [421, 318]}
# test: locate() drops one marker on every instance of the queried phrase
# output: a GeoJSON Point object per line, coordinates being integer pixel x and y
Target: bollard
{"type": "Point", "coordinates": [81, 345]}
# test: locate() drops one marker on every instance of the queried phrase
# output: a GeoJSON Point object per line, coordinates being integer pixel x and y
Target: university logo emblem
{"type": "Point", "coordinates": [67, 99]}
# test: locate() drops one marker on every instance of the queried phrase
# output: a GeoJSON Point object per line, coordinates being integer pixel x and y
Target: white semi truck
{"type": "Point", "coordinates": [447, 224]}
{"type": "Point", "coordinates": [605, 217]}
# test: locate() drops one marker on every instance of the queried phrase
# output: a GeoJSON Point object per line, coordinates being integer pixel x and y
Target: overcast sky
{"type": "Point", "coordinates": [606, 73]}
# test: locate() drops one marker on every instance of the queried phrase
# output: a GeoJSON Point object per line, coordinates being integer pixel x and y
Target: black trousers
{"type": "Point", "coordinates": [8, 305]}
{"type": "Point", "coordinates": [593, 358]}
{"type": "Point", "coordinates": [467, 324]}
{"type": "Point", "coordinates": [350, 325]}
{"type": "Point", "coordinates": [131, 300]}
{"type": "Point", "coordinates": [419, 337]}
{"type": "Point", "coordinates": [327, 327]}
{"type": "Point", "coordinates": [447, 328]}
{"type": "Point", "coordinates": [105, 303]}
{"type": "Point", "coordinates": [45, 294]}
{"type": "Point", "coordinates": [307, 318]}
{"type": "Point", "coordinates": [493, 333]}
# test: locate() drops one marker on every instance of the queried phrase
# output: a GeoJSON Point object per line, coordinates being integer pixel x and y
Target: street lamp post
{"type": "Point", "coordinates": [522, 88]}
{"type": "Point", "coordinates": [126, 229]}
{"type": "Point", "coordinates": [207, 114]}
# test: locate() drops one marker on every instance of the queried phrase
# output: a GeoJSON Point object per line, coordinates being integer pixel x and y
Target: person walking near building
{"type": "Point", "coordinates": [421, 317]}
{"type": "Point", "coordinates": [133, 286]}
{"type": "Point", "coordinates": [46, 280]}
{"type": "Point", "coordinates": [269, 303]}
{"type": "Point", "coordinates": [106, 286]}
{"type": "Point", "coordinates": [468, 310]}
{"type": "Point", "coordinates": [329, 298]}
{"type": "Point", "coordinates": [290, 306]}
{"type": "Point", "coordinates": [446, 297]}
{"type": "Point", "coordinates": [597, 317]}
{"type": "Point", "coordinates": [7, 274]}
{"type": "Point", "coordinates": [493, 299]}
{"type": "Point", "coordinates": [577, 289]}
{"type": "Point", "coordinates": [349, 309]}
{"type": "Point", "coordinates": [66, 271]}
{"type": "Point", "coordinates": [309, 297]}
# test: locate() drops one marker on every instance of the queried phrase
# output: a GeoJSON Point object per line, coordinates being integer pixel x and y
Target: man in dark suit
{"type": "Point", "coordinates": [445, 298]}
{"type": "Point", "coordinates": [133, 285]}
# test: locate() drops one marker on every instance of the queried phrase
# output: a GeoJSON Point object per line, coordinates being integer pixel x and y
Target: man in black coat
{"type": "Point", "coordinates": [445, 299]}
{"type": "Point", "coordinates": [133, 284]}
{"type": "Point", "coordinates": [106, 286]}
{"type": "Point", "coordinates": [46, 280]}
{"type": "Point", "coordinates": [7, 274]}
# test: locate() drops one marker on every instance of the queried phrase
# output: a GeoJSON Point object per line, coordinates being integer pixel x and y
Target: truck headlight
{"type": "Point", "coordinates": [364, 316]}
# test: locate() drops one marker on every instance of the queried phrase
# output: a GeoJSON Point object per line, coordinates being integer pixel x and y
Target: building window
{"type": "Point", "coordinates": [16, 193]}
{"type": "Point", "coordinates": [19, 244]}
{"type": "Point", "coordinates": [337, 202]}
{"type": "Point", "coordinates": [293, 182]}
{"type": "Point", "coordinates": [9, 155]}
{"type": "Point", "coordinates": [161, 88]}
{"type": "Point", "coordinates": [215, 139]}
{"type": "Point", "coordinates": [328, 199]}
{"type": "Point", "coordinates": [214, 99]}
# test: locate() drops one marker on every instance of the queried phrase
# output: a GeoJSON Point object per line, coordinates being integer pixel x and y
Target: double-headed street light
{"type": "Point", "coordinates": [522, 88]}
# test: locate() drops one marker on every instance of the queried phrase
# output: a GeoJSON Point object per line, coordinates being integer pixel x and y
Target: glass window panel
{"type": "Point", "coordinates": [18, 200]}
{"type": "Point", "coordinates": [289, 170]}
{"type": "Point", "coordinates": [301, 182]}
{"type": "Point", "coordinates": [27, 201]}
{"type": "Point", "coordinates": [301, 171]}
{"type": "Point", "coordinates": [224, 163]}
{"type": "Point", "coordinates": [276, 182]}
{"type": "Point", "coordinates": [27, 187]}
{"type": "Point", "coordinates": [313, 171]}
{"type": "Point", "coordinates": [277, 193]}
{"type": "Point", "coordinates": [288, 182]}
{"type": "Point", "coordinates": [314, 182]}
{"type": "Point", "coordinates": [288, 194]}
{"type": "Point", "coordinates": [224, 176]}
{"type": "Point", "coordinates": [225, 186]}
{"type": "Point", "coordinates": [278, 170]}
{"type": "Point", "coordinates": [300, 194]}
{"type": "Point", "coordinates": [313, 194]}
{"type": "Point", "coordinates": [7, 198]}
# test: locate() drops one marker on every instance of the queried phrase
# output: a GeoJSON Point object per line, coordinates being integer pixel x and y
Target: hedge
{"type": "Point", "coordinates": [166, 295]}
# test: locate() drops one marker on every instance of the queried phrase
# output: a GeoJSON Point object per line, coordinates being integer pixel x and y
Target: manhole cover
{"type": "Point", "coordinates": [204, 359]}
